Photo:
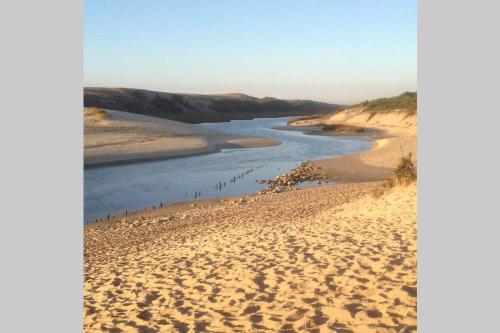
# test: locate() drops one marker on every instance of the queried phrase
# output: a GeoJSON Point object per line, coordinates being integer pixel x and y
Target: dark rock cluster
{"type": "Point", "coordinates": [306, 171]}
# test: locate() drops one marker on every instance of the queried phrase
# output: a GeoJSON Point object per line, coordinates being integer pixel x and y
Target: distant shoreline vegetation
{"type": "Point", "coordinates": [405, 101]}
{"type": "Point", "coordinates": [264, 105]}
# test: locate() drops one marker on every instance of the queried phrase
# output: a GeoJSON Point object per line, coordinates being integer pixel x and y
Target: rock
{"type": "Point", "coordinates": [304, 172]}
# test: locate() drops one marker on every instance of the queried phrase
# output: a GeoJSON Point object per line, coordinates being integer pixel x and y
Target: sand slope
{"type": "Point", "coordinates": [393, 122]}
{"type": "Point", "coordinates": [394, 133]}
{"type": "Point", "coordinates": [322, 259]}
{"type": "Point", "coordinates": [126, 137]}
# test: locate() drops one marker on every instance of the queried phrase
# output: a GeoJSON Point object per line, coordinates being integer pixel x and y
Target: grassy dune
{"type": "Point", "coordinates": [405, 101]}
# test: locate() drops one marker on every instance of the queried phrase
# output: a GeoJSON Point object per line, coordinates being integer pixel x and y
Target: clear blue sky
{"type": "Point", "coordinates": [335, 51]}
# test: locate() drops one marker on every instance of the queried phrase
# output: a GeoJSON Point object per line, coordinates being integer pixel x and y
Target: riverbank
{"type": "Point", "coordinates": [122, 138]}
{"type": "Point", "coordinates": [389, 144]}
{"type": "Point", "coordinates": [394, 134]}
{"type": "Point", "coordinates": [136, 186]}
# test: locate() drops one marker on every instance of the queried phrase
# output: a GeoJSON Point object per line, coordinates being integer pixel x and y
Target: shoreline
{"type": "Point", "coordinates": [125, 138]}
{"type": "Point", "coordinates": [160, 156]}
{"type": "Point", "coordinates": [343, 169]}
{"type": "Point", "coordinates": [348, 168]}
{"type": "Point", "coordinates": [185, 205]}
{"type": "Point", "coordinates": [178, 207]}
{"type": "Point", "coordinates": [393, 134]}
{"type": "Point", "coordinates": [369, 133]}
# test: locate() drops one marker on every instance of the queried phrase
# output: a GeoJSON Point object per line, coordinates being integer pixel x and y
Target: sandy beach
{"type": "Point", "coordinates": [328, 258]}
{"type": "Point", "coordinates": [124, 137]}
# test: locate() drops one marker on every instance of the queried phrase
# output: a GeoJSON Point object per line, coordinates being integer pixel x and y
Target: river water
{"type": "Point", "coordinates": [114, 189]}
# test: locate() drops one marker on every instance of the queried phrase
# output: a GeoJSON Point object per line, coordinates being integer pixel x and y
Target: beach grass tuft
{"type": "Point", "coordinates": [404, 174]}
{"type": "Point", "coordinates": [96, 113]}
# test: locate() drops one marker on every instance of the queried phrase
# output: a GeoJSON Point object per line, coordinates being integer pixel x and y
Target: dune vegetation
{"type": "Point", "coordinates": [343, 128]}
{"type": "Point", "coordinates": [95, 113]}
{"type": "Point", "coordinates": [405, 101]}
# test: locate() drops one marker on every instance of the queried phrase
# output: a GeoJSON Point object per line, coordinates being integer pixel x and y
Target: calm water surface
{"type": "Point", "coordinates": [114, 189]}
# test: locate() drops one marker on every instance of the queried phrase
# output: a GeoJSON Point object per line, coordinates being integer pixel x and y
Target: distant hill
{"type": "Point", "coordinates": [194, 108]}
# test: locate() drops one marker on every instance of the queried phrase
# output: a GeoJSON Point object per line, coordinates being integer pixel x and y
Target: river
{"type": "Point", "coordinates": [114, 189]}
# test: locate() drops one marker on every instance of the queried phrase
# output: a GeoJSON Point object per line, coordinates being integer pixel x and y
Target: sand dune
{"type": "Point", "coordinates": [372, 165]}
{"type": "Point", "coordinates": [323, 259]}
{"type": "Point", "coordinates": [394, 134]}
{"type": "Point", "coordinates": [393, 122]}
{"type": "Point", "coordinates": [125, 137]}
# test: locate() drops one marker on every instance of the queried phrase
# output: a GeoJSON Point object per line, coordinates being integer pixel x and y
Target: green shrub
{"type": "Point", "coordinates": [406, 101]}
{"type": "Point", "coordinates": [343, 128]}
